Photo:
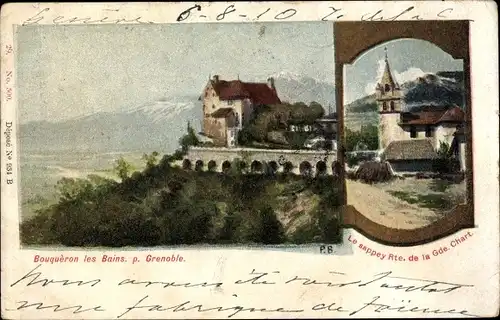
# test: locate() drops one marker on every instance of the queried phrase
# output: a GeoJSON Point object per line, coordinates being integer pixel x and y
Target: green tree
{"type": "Point", "coordinates": [151, 159]}
{"type": "Point", "coordinates": [189, 139]}
{"type": "Point", "coordinates": [444, 163]}
{"type": "Point", "coordinates": [123, 168]}
{"type": "Point", "coordinates": [367, 135]}
{"type": "Point", "coordinates": [444, 150]}
{"type": "Point", "coordinates": [70, 188]}
{"type": "Point", "coordinates": [315, 111]}
{"type": "Point", "coordinates": [351, 139]}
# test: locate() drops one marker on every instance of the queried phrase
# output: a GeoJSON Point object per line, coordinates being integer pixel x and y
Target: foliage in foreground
{"type": "Point", "coordinates": [164, 205]}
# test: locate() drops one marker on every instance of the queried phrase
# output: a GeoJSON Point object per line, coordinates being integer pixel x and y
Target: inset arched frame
{"type": "Point", "coordinates": [351, 40]}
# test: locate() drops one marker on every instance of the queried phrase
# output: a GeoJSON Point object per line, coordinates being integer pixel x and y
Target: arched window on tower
{"type": "Point", "coordinates": [384, 106]}
{"type": "Point", "coordinates": [393, 106]}
{"type": "Point", "coordinates": [387, 88]}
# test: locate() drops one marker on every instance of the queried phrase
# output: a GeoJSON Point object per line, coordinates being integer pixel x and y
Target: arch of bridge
{"type": "Point", "coordinates": [217, 159]}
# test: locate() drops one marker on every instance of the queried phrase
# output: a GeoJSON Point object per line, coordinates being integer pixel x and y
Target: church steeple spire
{"type": "Point", "coordinates": [387, 78]}
{"type": "Point", "coordinates": [388, 94]}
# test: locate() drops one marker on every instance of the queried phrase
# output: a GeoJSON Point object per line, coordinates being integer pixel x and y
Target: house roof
{"type": "Point", "coordinates": [259, 93]}
{"type": "Point", "coordinates": [453, 114]}
{"type": "Point", "coordinates": [222, 112]}
{"type": "Point", "coordinates": [410, 150]}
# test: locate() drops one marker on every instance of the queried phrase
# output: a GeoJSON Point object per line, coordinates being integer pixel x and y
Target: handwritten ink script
{"type": "Point", "coordinates": [383, 286]}
{"type": "Point", "coordinates": [196, 13]}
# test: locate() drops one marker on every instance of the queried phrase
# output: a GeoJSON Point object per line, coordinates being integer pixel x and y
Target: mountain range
{"type": "Point", "coordinates": [439, 90]}
{"type": "Point", "coordinates": [157, 126]}
{"type": "Point", "coordinates": [442, 88]}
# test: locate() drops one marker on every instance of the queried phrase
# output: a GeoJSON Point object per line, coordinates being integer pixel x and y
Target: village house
{"type": "Point", "coordinates": [326, 125]}
{"type": "Point", "coordinates": [229, 105]}
{"type": "Point", "coordinates": [409, 140]}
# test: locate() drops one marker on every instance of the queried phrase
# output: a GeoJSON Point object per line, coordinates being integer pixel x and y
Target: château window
{"type": "Point", "coordinates": [393, 106]}
{"type": "Point", "coordinates": [213, 106]}
{"type": "Point", "coordinates": [413, 132]}
{"type": "Point", "coordinates": [428, 131]}
{"type": "Point", "coordinates": [387, 88]}
{"type": "Point", "coordinates": [384, 106]}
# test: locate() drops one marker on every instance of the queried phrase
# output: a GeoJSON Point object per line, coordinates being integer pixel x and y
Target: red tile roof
{"type": "Point", "coordinates": [222, 112]}
{"type": "Point", "coordinates": [258, 93]}
{"type": "Point", "coordinates": [454, 114]}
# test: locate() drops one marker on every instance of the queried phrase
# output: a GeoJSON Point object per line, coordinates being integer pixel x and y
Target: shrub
{"type": "Point", "coordinates": [367, 135]}
{"type": "Point", "coordinates": [351, 160]}
{"type": "Point", "coordinates": [150, 159]}
{"type": "Point", "coordinates": [38, 229]}
{"type": "Point", "coordinates": [324, 227]}
{"type": "Point", "coordinates": [189, 139]}
{"type": "Point", "coordinates": [445, 163]}
{"type": "Point", "coordinates": [123, 168]}
{"type": "Point", "coordinates": [260, 226]}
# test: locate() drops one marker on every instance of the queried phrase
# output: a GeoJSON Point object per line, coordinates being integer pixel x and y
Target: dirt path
{"type": "Point", "coordinates": [383, 208]}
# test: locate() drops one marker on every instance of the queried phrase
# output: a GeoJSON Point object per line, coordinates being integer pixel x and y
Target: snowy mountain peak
{"type": "Point", "coordinates": [292, 76]}
{"type": "Point", "coordinates": [288, 75]}
{"type": "Point", "coordinates": [163, 109]}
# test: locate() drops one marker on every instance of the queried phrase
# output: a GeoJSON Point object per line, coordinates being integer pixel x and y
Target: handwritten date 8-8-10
{"type": "Point", "coordinates": [331, 13]}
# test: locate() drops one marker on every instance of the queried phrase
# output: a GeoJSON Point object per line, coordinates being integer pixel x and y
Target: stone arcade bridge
{"type": "Point", "coordinates": [309, 162]}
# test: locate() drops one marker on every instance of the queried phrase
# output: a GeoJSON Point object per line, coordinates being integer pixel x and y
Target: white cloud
{"type": "Point", "coordinates": [370, 87]}
{"type": "Point", "coordinates": [409, 74]}
{"type": "Point", "coordinates": [401, 77]}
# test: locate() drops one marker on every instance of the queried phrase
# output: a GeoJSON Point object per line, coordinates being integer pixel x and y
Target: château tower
{"type": "Point", "coordinates": [389, 101]}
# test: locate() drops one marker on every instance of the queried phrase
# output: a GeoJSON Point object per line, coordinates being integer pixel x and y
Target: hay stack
{"type": "Point", "coordinates": [374, 171]}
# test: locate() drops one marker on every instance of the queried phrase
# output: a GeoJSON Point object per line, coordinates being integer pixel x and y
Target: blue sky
{"type": "Point", "coordinates": [69, 71]}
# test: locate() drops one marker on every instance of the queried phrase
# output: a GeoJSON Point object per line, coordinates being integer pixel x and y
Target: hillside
{"type": "Point", "coordinates": [165, 205]}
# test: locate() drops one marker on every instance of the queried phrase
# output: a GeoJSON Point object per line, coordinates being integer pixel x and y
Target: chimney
{"type": "Point", "coordinates": [270, 83]}
{"type": "Point", "coordinates": [216, 78]}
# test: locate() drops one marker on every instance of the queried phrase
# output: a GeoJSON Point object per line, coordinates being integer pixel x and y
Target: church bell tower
{"type": "Point", "coordinates": [389, 102]}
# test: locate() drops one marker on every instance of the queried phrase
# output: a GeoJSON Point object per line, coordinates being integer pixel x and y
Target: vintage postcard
{"type": "Point", "coordinates": [250, 160]}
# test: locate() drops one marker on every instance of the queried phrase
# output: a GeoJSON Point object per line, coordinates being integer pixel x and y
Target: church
{"type": "Point", "coordinates": [408, 140]}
